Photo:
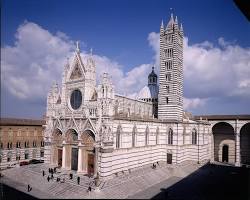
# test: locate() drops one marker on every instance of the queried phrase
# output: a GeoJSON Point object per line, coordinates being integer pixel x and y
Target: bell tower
{"type": "Point", "coordinates": [170, 98]}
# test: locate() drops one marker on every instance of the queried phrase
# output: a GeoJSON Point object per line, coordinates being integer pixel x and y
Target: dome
{"type": "Point", "coordinates": [152, 74]}
{"type": "Point", "coordinates": [144, 93]}
{"type": "Point", "coordinates": [152, 78]}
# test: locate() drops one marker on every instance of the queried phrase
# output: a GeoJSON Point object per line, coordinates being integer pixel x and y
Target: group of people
{"type": "Point", "coordinates": [154, 165]}
{"type": "Point", "coordinates": [58, 179]}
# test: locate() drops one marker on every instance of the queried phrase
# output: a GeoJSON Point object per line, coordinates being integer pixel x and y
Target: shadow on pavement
{"type": "Point", "coordinates": [8, 193]}
{"type": "Point", "coordinates": [211, 182]}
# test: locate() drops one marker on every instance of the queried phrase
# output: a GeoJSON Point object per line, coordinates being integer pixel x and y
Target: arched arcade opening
{"type": "Point", "coordinates": [245, 144]}
{"type": "Point", "coordinates": [224, 142]}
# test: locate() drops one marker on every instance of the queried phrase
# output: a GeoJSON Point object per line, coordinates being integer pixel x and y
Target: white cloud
{"type": "Point", "coordinates": [210, 71]}
{"type": "Point", "coordinates": [193, 103]}
{"type": "Point", "coordinates": [217, 71]}
{"type": "Point", "coordinates": [38, 56]}
{"type": "Point", "coordinates": [36, 59]}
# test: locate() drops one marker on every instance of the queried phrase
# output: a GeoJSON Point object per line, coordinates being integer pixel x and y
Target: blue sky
{"type": "Point", "coordinates": [119, 33]}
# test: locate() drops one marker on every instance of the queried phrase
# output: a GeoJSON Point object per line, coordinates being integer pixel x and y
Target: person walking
{"type": "Point", "coordinates": [28, 187]}
{"type": "Point", "coordinates": [43, 173]}
{"type": "Point", "coordinates": [89, 189]}
{"type": "Point", "coordinates": [78, 180]}
{"type": "Point", "coordinates": [48, 178]}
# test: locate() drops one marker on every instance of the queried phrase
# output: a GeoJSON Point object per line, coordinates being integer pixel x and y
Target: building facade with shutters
{"type": "Point", "coordinates": [20, 140]}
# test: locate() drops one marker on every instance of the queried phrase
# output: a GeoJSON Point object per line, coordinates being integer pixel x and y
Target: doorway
{"type": "Point", "coordinates": [225, 153]}
{"type": "Point", "coordinates": [169, 158]}
{"type": "Point", "coordinates": [91, 164]}
{"type": "Point", "coordinates": [74, 158]}
{"type": "Point", "coordinates": [59, 157]}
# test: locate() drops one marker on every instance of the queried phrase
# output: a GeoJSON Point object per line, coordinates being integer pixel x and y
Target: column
{"type": "Point", "coordinates": [211, 145]}
{"type": "Point", "coordinates": [237, 149]}
{"type": "Point", "coordinates": [64, 155]}
{"type": "Point", "coordinates": [237, 144]}
{"type": "Point", "coordinates": [96, 160]}
{"type": "Point", "coordinates": [80, 158]}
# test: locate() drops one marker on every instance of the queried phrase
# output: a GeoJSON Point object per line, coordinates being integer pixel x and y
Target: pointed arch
{"type": "Point", "coordinates": [71, 135]}
{"type": "Point", "coordinates": [134, 131]}
{"type": "Point", "coordinates": [194, 136]}
{"type": "Point", "coordinates": [118, 136]}
{"type": "Point", "coordinates": [170, 136]}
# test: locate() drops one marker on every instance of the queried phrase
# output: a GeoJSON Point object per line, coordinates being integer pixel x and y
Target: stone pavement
{"type": "Point", "coordinates": [120, 187]}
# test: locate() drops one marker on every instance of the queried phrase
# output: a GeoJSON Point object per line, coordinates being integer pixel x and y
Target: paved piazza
{"type": "Point", "coordinates": [118, 187]}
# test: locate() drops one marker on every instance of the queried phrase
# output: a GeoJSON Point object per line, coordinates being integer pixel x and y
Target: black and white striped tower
{"type": "Point", "coordinates": [170, 99]}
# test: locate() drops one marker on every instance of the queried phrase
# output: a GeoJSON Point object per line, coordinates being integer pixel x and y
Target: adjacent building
{"type": "Point", "coordinates": [20, 140]}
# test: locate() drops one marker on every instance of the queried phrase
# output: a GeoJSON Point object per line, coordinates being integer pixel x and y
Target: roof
{"type": "Point", "coordinates": [21, 122]}
{"type": "Point", "coordinates": [223, 117]}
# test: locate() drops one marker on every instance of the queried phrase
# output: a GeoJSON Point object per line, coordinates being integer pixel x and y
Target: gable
{"type": "Point", "coordinates": [76, 72]}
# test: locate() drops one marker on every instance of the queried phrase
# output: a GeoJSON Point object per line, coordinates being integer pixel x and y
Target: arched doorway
{"type": "Point", "coordinates": [71, 138]}
{"type": "Point", "coordinates": [245, 144]}
{"type": "Point", "coordinates": [57, 139]}
{"type": "Point", "coordinates": [88, 139]}
{"type": "Point", "coordinates": [224, 142]}
{"type": "Point", "coordinates": [225, 153]}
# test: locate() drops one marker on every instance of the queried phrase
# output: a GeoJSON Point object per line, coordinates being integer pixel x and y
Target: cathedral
{"type": "Point", "coordinates": [91, 129]}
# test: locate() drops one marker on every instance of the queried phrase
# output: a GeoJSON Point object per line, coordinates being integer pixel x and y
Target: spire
{"type": "Point", "coordinates": [181, 28]}
{"type": "Point", "coordinates": [77, 46]}
{"type": "Point", "coordinates": [171, 21]}
{"type": "Point", "coordinates": [176, 20]}
{"type": "Point", "coordinates": [162, 26]}
{"type": "Point", "coordinates": [172, 17]}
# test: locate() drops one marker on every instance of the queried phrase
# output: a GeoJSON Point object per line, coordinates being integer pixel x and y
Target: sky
{"type": "Point", "coordinates": [37, 37]}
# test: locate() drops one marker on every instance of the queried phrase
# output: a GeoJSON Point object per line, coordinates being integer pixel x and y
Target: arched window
{"type": "Point", "coordinates": [1, 145]}
{"type": "Point", "coordinates": [147, 136]}
{"type": "Point", "coordinates": [9, 155]}
{"type": "Point", "coordinates": [26, 155]}
{"type": "Point", "coordinates": [9, 145]}
{"type": "Point", "coordinates": [42, 144]}
{"type": "Point", "coordinates": [17, 145]}
{"type": "Point", "coordinates": [118, 137]}
{"type": "Point", "coordinates": [41, 153]}
{"type": "Point", "coordinates": [34, 143]}
{"type": "Point", "coordinates": [133, 136]}
{"type": "Point", "coordinates": [26, 144]}
{"type": "Point", "coordinates": [170, 136]}
{"type": "Point", "coordinates": [194, 136]}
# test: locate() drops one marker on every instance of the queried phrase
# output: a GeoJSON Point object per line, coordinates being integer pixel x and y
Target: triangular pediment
{"type": "Point", "coordinates": [58, 100]}
{"type": "Point", "coordinates": [76, 73]}
{"type": "Point", "coordinates": [77, 69]}
{"type": "Point", "coordinates": [89, 125]}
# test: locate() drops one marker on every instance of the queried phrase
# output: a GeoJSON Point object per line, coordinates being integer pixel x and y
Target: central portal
{"type": "Point", "coordinates": [74, 158]}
